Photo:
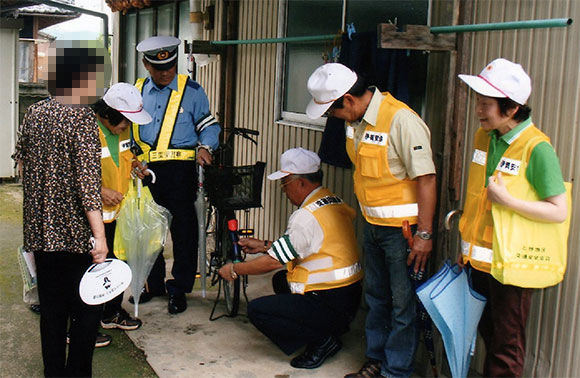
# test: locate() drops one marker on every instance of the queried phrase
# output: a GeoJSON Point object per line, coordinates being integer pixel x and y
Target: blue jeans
{"type": "Point", "coordinates": [391, 321]}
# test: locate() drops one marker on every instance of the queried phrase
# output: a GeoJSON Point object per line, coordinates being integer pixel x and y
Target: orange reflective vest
{"type": "Point", "coordinates": [476, 223]}
{"type": "Point", "coordinates": [113, 176]}
{"type": "Point", "coordinates": [384, 199]}
{"type": "Point", "coordinates": [161, 151]}
{"type": "Point", "coordinates": [336, 264]}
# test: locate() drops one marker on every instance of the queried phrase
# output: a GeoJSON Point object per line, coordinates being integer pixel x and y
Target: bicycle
{"type": "Point", "coordinates": [229, 188]}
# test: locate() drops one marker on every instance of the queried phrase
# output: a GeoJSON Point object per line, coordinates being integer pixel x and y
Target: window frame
{"type": "Point", "coordinates": [123, 40]}
{"type": "Point", "coordinates": [301, 120]}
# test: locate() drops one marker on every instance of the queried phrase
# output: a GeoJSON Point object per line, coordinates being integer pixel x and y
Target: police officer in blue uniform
{"type": "Point", "coordinates": [182, 131]}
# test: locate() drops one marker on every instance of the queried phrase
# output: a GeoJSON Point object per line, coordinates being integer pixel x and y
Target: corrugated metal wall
{"type": "Point", "coordinates": [553, 61]}
{"type": "Point", "coordinates": [255, 109]}
{"type": "Point", "coordinates": [552, 58]}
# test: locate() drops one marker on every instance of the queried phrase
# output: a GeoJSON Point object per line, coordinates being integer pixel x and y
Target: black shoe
{"type": "Point", "coordinates": [35, 308]}
{"type": "Point", "coordinates": [316, 354]}
{"type": "Point", "coordinates": [370, 369]}
{"type": "Point", "coordinates": [122, 320]}
{"type": "Point", "coordinates": [144, 298]}
{"type": "Point", "coordinates": [177, 303]}
{"type": "Point", "coordinates": [102, 340]}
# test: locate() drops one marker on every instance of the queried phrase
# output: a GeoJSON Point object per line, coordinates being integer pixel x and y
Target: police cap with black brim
{"type": "Point", "coordinates": [160, 51]}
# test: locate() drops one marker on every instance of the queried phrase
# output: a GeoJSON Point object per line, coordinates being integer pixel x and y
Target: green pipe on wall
{"type": "Point", "coordinates": [533, 24]}
{"type": "Point", "coordinates": [511, 25]}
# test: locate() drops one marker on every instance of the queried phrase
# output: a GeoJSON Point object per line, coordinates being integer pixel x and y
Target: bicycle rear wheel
{"type": "Point", "coordinates": [231, 288]}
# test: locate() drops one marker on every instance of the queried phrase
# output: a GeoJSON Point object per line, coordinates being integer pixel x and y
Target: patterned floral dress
{"type": "Point", "coordinates": [59, 149]}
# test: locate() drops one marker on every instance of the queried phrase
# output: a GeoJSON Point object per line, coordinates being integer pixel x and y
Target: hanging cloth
{"type": "Point", "coordinates": [387, 69]}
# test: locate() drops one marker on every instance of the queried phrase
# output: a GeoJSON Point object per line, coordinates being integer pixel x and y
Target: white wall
{"type": "Point", "coordinates": [8, 99]}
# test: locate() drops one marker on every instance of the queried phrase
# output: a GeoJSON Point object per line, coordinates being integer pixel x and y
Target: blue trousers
{"type": "Point", "coordinates": [391, 320]}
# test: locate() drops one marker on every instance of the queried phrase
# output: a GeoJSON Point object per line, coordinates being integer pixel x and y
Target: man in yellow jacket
{"type": "Point", "coordinates": [394, 181]}
{"type": "Point", "coordinates": [319, 292]}
{"type": "Point", "coordinates": [120, 106]}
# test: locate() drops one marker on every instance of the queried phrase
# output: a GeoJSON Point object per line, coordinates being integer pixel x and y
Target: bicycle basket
{"type": "Point", "coordinates": [235, 188]}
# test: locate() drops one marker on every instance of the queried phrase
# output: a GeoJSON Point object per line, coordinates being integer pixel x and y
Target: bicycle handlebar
{"type": "Point", "coordinates": [243, 132]}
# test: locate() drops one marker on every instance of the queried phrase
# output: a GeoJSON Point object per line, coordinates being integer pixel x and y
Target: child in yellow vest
{"type": "Point", "coordinates": [119, 107]}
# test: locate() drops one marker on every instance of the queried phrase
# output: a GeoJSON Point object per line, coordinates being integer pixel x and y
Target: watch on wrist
{"type": "Point", "coordinates": [425, 235]}
{"type": "Point", "coordinates": [205, 147]}
{"type": "Point", "coordinates": [233, 272]}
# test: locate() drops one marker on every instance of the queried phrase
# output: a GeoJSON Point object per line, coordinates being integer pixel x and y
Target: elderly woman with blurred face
{"type": "Point", "coordinates": [506, 132]}
{"type": "Point", "coordinates": [58, 152]}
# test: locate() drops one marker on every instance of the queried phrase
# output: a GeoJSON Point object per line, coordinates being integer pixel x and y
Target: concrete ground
{"type": "Point", "coordinates": [181, 345]}
{"type": "Point", "coordinates": [189, 344]}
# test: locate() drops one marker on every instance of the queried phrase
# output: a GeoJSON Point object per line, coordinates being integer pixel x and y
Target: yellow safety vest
{"type": "Point", "coordinates": [161, 150]}
{"type": "Point", "coordinates": [384, 199]}
{"type": "Point", "coordinates": [476, 223]}
{"type": "Point", "coordinates": [115, 177]}
{"type": "Point", "coordinates": [336, 263]}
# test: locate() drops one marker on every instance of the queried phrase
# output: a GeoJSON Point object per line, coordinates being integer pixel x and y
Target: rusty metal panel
{"type": "Point", "coordinates": [552, 59]}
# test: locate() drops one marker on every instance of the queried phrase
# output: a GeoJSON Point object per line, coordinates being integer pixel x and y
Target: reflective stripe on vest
{"type": "Point", "coordinates": [162, 151]}
{"type": "Point", "coordinates": [395, 211]}
{"type": "Point", "coordinates": [109, 215]}
{"type": "Point", "coordinates": [334, 275]}
{"type": "Point", "coordinates": [478, 253]}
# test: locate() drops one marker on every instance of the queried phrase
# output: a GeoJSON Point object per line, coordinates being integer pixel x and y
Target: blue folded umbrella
{"type": "Point", "coordinates": [455, 309]}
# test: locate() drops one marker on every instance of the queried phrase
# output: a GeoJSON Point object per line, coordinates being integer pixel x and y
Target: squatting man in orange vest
{"type": "Point", "coordinates": [394, 181]}
{"type": "Point", "coordinates": [319, 292]}
{"type": "Point", "coordinates": [506, 129]}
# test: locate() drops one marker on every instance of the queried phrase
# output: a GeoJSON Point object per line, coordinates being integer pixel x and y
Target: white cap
{"type": "Point", "coordinates": [161, 51]}
{"type": "Point", "coordinates": [327, 84]}
{"type": "Point", "coordinates": [153, 45]}
{"type": "Point", "coordinates": [127, 100]}
{"type": "Point", "coordinates": [501, 78]}
{"type": "Point", "coordinates": [296, 161]}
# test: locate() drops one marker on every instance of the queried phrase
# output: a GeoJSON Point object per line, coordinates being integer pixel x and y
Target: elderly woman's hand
{"type": "Point", "coordinates": [497, 191]}
{"type": "Point", "coordinates": [100, 250]}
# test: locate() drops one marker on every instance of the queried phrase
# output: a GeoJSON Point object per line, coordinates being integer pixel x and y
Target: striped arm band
{"type": "Point", "coordinates": [205, 122]}
{"type": "Point", "coordinates": [282, 250]}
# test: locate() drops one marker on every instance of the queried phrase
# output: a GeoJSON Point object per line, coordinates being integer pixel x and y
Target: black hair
{"type": "Point", "coordinates": [358, 89]}
{"type": "Point", "coordinates": [105, 111]}
{"type": "Point", "coordinates": [505, 104]}
{"type": "Point", "coordinates": [72, 65]}
{"type": "Point", "coordinates": [315, 178]}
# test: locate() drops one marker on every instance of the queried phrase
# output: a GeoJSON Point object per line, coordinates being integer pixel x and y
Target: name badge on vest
{"type": "Point", "coordinates": [372, 137]}
{"type": "Point", "coordinates": [350, 132]}
{"type": "Point", "coordinates": [479, 157]}
{"type": "Point", "coordinates": [509, 166]}
{"type": "Point", "coordinates": [125, 145]}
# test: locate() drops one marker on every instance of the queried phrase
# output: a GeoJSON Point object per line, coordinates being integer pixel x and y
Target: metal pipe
{"type": "Point", "coordinates": [103, 16]}
{"type": "Point", "coordinates": [533, 24]}
{"type": "Point", "coordinates": [309, 38]}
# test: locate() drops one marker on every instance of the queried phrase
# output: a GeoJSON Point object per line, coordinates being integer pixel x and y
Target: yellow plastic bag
{"type": "Point", "coordinates": [528, 253]}
{"type": "Point", "coordinates": [142, 224]}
